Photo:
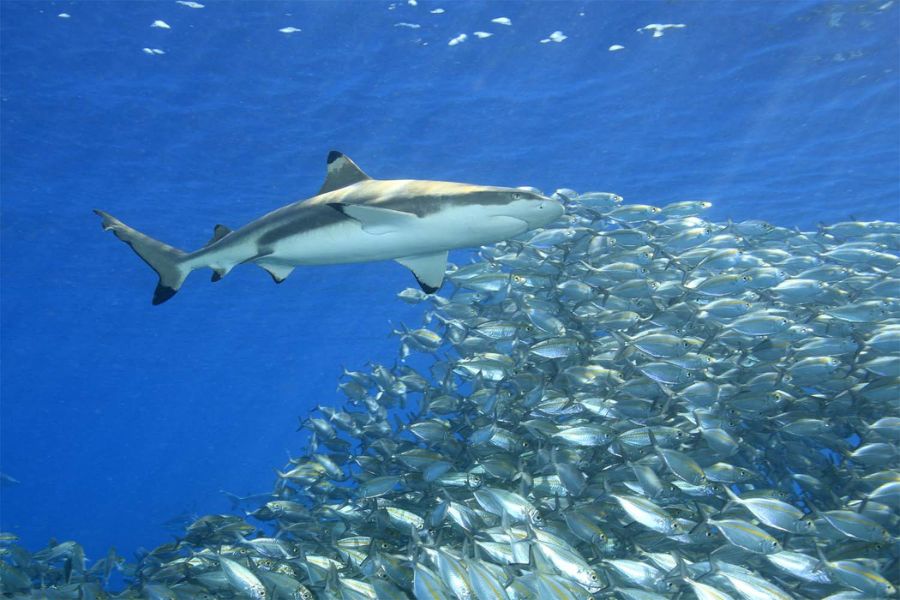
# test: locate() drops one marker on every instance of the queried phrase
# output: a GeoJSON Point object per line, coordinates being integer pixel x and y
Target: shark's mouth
{"type": "Point", "coordinates": [512, 221]}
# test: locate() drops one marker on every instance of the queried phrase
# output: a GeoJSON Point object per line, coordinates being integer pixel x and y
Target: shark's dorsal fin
{"type": "Point", "coordinates": [341, 172]}
{"type": "Point", "coordinates": [219, 231]}
{"type": "Point", "coordinates": [428, 269]}
{"type": "Point", "coordinates": [377, 220]}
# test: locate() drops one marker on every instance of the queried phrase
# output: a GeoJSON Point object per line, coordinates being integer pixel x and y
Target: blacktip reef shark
{"type": "Point", "coordinates": [354, 218]}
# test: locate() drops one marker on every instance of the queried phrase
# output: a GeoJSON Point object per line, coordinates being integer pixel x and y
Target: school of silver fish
{"type": "Point", "coordinates": [633, 403]}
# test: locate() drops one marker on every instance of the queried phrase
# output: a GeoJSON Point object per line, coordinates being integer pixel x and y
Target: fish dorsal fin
{"type": "Point", "coordinates": [219, 231]}
{"type": "Point", "coordinates": [341, 172]}
{"type": "Point", "coordinates": [428, 269]}
{"type": "Point", "coordinates": [377, 220]}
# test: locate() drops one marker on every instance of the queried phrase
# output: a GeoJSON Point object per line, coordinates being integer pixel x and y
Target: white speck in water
{"type": "Point", "coordinates": [64, 15]}
{"type": "Point", "coordinates": [158, 51]}
{"type": "Point", "coordinates": [886, 5]}
{"type": "Point", "coordinates": [408, 25]}
{"type": "Point", "coordinates": [502, 21]}
{"type": "Point", "coordinates": [189, 3]}
{"type": "Point", "coordinates": [558, 36]}
{"type": "Point", "coordinates": [482, 34]}
{"type": "Point", "coordinates": [290, 29]}
{"type": "Point", "coordinates": [160, 24]}
{"type": "Point", "coordinates": [438, 11]}
{"type": "Point", "coordinates": [412, 2]}
{"type": "Point", "coordinates": [658, 29]}
{"type": "Point", "coordinates": [458, 40]}
{"type": "Point", "coordinates": [616, 48]}
{"type": "Point", "coordinates": [152, 51]}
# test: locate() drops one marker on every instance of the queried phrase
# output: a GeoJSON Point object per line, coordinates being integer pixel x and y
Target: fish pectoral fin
{"type": "Point", "coordinates": [376, 220]}
{"type": "Point", "coordinates": [341, 172]}
{"type": "Point", "coordinates": [428, 269]}
{"type": "Point", "coordinates": [278, 272]}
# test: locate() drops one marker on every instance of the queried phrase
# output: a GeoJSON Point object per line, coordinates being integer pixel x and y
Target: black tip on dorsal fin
{"type": "Point", "coordinates": [341, 172]}
{"type": "Point", "coordinates": [219, 231]}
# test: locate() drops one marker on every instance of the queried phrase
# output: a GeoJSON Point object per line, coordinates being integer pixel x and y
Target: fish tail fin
{"type": "Point", "coordinates": [732, 498]}
{"type": "Point", "coordinates": [168, 262]}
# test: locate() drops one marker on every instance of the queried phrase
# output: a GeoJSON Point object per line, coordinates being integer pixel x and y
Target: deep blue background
{"type": "Point", "coordinates": [117, 415]}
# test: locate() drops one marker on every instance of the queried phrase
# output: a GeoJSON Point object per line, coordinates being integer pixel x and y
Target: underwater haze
{"type": "Point", "coordinates": [122, 422]}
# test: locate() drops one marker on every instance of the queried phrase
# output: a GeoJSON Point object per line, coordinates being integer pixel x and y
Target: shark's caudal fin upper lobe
{"type": "Point", "coordinates": [165, 260]}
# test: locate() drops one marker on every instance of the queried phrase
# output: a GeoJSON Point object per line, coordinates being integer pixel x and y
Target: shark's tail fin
{"type": "Point", "coordinates": [168, 262]}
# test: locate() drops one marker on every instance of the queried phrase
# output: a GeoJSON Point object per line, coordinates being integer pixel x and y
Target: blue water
{"type": "Point", "coordinates": [117, 416]}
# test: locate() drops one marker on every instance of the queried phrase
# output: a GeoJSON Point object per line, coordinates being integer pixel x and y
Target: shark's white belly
{"type": "Point", "coordinates": [349, 242]}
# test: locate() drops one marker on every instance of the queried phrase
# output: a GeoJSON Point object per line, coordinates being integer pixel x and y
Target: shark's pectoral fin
{"type": "Point", "coordinates": [219, 231]}
{"type": "Point", "coordinates": [341, 172]}
{"type": "Point", "coordinates": [278, 272]}
{"type": "Point", "coordinates": [428, 269]}
{"type": "Point", "coordinates": [377, 220]}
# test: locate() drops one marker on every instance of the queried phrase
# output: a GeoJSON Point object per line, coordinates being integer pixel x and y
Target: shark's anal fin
{"type": "Point", "coordinates": [278, 272]}
{"type": "Point", "coordinates": [428, 269]}
{"type": "Point", "coordinates": [219, 231]}
{"type": "Point", "coordinates": [341, 172]}
{"type": "Point", "coordinates": [376, 220]}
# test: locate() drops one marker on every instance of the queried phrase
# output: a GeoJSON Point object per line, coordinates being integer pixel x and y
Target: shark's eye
{"type": "Point", "coordinates": [516, 196]}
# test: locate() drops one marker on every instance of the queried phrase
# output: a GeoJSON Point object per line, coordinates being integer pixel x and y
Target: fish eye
{"type": "Point", "coordinates": [516, 196]}
{"type": "Point", "coordinates": [746, 278]}
{"type": "Point", "coordinates": [594, 577]}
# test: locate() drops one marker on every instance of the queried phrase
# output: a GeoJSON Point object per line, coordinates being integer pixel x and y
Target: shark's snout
{"type": "Point", "coordinates": [547, 211]}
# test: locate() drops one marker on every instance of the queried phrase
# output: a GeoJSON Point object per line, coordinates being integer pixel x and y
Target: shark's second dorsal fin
{"type": "Point", "coordinates": [219, 231]}
{"type": "Point", "coordinates": [341, 172]}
